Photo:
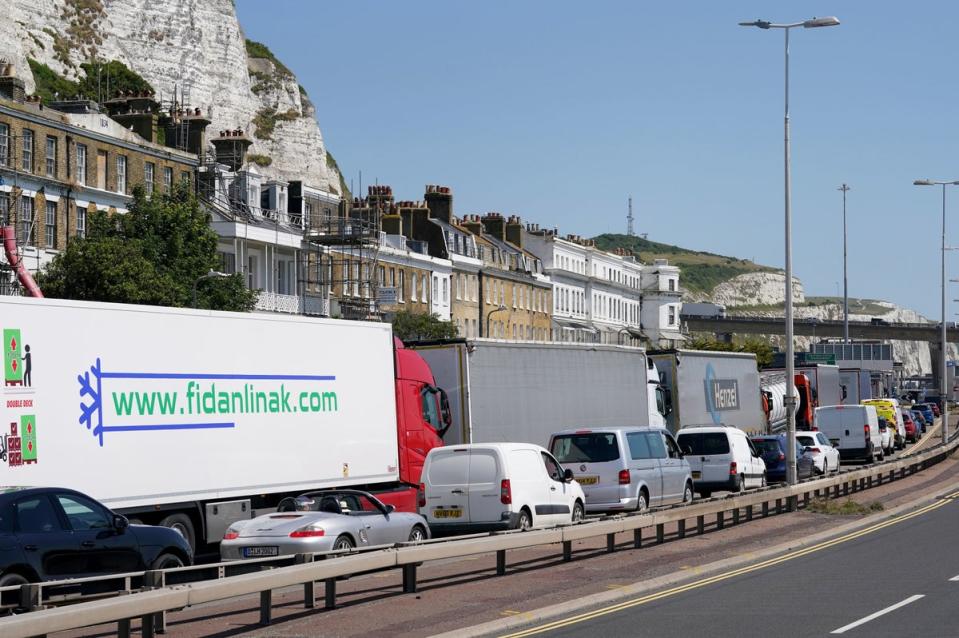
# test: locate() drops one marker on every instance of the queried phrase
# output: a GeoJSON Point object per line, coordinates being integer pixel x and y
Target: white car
{"type": "Point", "coordinates": [825, 456]}
{"type": "Point", "coordinates": [488, 486]}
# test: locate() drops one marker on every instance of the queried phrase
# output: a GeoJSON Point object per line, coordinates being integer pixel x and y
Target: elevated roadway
{"type": "Point", "coordinates": [822, 328]}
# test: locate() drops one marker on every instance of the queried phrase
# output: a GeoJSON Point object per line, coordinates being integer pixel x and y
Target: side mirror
{"type": "Point", "coordinates": [567, 475]}
{"type": "Point", "coordinates": [120, 523]}
{"type": "Point", "coordinates": [390, 509]}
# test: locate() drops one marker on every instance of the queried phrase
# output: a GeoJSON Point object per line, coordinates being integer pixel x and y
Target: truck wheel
{"type": "Point", "coordinates": [181, 524]}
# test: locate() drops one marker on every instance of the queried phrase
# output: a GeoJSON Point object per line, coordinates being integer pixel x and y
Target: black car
{"type": "Point", "coordinates": [773, 449]}
{"type": "Point", "coordinates": [50, 533]}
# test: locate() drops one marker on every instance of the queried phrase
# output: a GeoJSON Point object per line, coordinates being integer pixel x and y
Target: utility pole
{"type": "Point", "coordinates": [845, 280]}
{"type": "Point", "coordinates": [629, 220]}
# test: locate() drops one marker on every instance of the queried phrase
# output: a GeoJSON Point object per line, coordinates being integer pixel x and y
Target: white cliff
{"type": "Point", "coordinates": [193, 46]}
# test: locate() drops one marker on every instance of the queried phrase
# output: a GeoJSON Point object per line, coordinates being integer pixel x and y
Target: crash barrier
{"type": "Point", "coordinates": [156, 595]}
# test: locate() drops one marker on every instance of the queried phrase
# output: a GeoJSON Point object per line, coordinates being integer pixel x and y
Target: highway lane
{"type": "Point", "coordinates": [903, 569]}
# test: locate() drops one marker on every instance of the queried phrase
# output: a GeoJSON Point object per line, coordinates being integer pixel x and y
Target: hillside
{"type": "Point", "coordinates": [701, 271]}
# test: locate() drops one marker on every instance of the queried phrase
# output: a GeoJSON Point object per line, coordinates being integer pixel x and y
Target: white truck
{"type": "Point", "coordinates": [195, 419]}
{"type": "Point", "coordinates": [522, 392]}
{"type": "Point", "coordinates": [717, 388]}
{"type": "Point", "coordinates": [856, 385]}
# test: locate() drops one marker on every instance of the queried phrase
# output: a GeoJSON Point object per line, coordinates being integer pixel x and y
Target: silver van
{"type": "Point", "coordinates": [624, 468]}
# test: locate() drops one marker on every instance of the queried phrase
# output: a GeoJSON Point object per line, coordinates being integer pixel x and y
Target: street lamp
{"type": "Point", "coordinates": [211, 274]}
{"type": "Point", "coordinates": [845, 280]}
{"type": "Point", "coordinates": [789, 400]}
{"type": "Point", "coordinates": [942, 370]}
{"type": "Point", "coordinates": [490, 314]}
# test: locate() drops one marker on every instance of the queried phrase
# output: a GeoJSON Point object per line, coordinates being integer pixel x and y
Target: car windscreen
{"type": "Point", "coordinates": [586, 447]}
{"type": "Point", "coordinates": [766, 445]}
{"type": "Point", "coordinates": [703, 443]}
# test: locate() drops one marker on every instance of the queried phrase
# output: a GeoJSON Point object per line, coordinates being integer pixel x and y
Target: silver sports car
{"type": "Point", "coordinates": [319, 522]}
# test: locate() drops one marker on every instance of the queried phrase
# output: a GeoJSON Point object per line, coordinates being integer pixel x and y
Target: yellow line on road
{"type": "Point", "coordinates": [721, 577]}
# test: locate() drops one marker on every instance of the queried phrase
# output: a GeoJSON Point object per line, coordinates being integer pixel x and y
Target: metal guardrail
{"type": "Point", "coordinates": [156, 597]}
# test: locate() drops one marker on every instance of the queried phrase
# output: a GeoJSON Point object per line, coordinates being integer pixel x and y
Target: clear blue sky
{"type": "Point", "coordinates": [558, 111]}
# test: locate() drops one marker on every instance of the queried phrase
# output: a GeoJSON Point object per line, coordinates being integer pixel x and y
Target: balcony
{"type": "Point", "coordinates": [275, 302]}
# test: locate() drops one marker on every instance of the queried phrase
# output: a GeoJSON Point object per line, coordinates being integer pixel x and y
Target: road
{"type": "Point", "coordinates": [894, 579]}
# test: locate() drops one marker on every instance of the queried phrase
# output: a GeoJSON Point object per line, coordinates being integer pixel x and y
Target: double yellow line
{"type": "Point", "coordinates": [721, 577]}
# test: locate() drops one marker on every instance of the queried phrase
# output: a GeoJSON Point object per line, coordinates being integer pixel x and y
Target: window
{"type": "Point", "coordinates": [51, 157]}
{"type": "Point", "coordinates": [401, 293]}
{"type": "Point", "coordinates": [26, 221]}
{"type": "Point", "coordinates": [413, 286]}
{"type": "Point", "coordinates": [185, 179]}
{"type": "Point", "coordinates": [83, 514]}
{"type": "Point", "coordinates": [4, 145]}
{"type": "Point", "coordinates": [121, 173]}
{"type": "Point", "coordinates": [436, 292]}
{"type": "Point", "coordinates": [446, 296]}
{"type": "Point", "coordinates": [167, 179]}
{"type": "Point", "coordinates": [346, 278]}
{"type": "Point", "coordinates": [704, 443]}
{"type": "Point", "coordinates": [149, 174]}
{"type": "Point", "coordinates": [552, 467]}
{"type": "Point", "coordinates": [424, 285]}
{"type": "Point", "coordinates": [356, 279]}
{"type": "Point", "coordinates": [50, 228]}
{"type": "Point", "coordinates": [102, 169]}
{"type": "Point", "coordinates": [672, 316]}
{"type": "Point", "coordinates": [82, 163]}
{"type": "Point", "coordinates": [638, 443]}
{"type": "Point", "coordinates": [4, 209]}
{"type": "Point", "coordinates": [458, 285]}
{"type": "Point", "coordinates": [585, 448]}
{"type": "Point", "coordinates": [431, 412]}
{"type": "Point", "coordinates": [27, 144]}
{"type": "Point", "coordinates": [35, 515]}
{"type": "Point", "coordinates": [81, 221]}
{"type": "Point", "coordinates": [382, 276]}
{"type": "Point", "coordinates": [672, 285]}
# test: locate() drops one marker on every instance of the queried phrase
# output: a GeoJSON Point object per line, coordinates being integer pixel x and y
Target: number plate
{"type": "Point", "coordinates": [259, 552]}
{"type": "Point", "coordinates": [696, 475]}
{"type": "Point", "coordinates": [447, 513]}
{"type": "Point", "coordinates": [588, 480]}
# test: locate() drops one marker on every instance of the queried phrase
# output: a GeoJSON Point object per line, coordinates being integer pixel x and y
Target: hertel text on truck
{"type": "Point", "coordinates": [196, 419]}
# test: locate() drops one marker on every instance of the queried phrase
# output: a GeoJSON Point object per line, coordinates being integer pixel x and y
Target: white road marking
{"type": "Point", "coordinates": [954, 578]}
{"type": "Point", "coordinates": [881, 612]}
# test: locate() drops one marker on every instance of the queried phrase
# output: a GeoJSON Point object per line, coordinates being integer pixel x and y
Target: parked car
{"type": "Point", "coordinates": [935, 409]}
{"type": "Point", "coordinates": [825, 456]}
{"type": "Point", "coordinates": [774, 451]}
{"type": "Point", "coordinates": [889, 409]}
{"type": "Point", "coordinates": [912, 428]}
{"type": "Point", "coordinates": [852, 429]}
{"type": "Point", "coordinates": [920, 421]}
{"type": "Point", "coordinates": [721, 457]}
{"type": "Point", "coordinates": [625, 468]}
{"type": "Point", "coordinates": [321, 521]}
{"type": "Point", "coordinates": [487, 486]}
{"type": "Point", "coordinates": [52, 533]}
{"type": "Point", "coordinates": [927, 412]}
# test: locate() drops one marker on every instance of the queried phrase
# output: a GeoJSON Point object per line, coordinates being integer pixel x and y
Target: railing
{"type": "Point", "coordinates": [276, 302]}
{"type": "Point", "coordinates": [157, 592]}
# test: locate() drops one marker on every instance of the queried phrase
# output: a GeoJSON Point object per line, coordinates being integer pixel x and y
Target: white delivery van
{"type": "Point", "coordinates": [625, 468]}
{"type": "Point", "coordinates": [721, 458]}
{"type": "Point", "coordinates": [852, 429]}
{"type": "Point", "coordinates": [488, 486]}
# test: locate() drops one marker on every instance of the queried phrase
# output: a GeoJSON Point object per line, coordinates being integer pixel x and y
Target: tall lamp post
{"type": "Point", "coordinates": [490, 314]}
{"type": "Point", "coordinates": [942, 370]}
{"type": "Point", "coordinates": [790, 398]}
{"type": "Point", "coordinates": [211, 274]}
{"type": "Point", "coordinates": [845, 280]}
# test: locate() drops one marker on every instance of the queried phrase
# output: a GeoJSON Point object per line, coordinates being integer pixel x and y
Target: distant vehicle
{"type": "Point", "coordinates": [885, 434]}
{"type": "Point", "coordinates": [704, 310]}
{"type": "Point", "coordinates": [912, 429]}
{"type": "Point", "coordinates": [876, 321]}
{"type": "Point", "coordinates": [825, 456]}
{"type": "Point", "coordinates": [889, 409]}
{"type": "Point", "coordinates": [721, 458]}
{"type": "Point", "coordinates": [51, 533]}
{"type": "Point", "coordinates": [628, 468]}
{"type": "Point", "coordinates": [774, 453]}
{"type": "Point", "coordinates": [935, 409]}
{"type": "Point", "coordinates": [322, 521]}
{"type": "Point", "coordinates": [927, 410]}
{"type": "Point", "coordinates": [920, 420]}
{"type": "Point", "coordinates": [852, 429]}
{"type": "Point", "coordinates": [488, 486]}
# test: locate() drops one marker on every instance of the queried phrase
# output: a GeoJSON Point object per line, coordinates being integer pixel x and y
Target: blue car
{"type": "Point", "coordinates": [926, 411]}
{"type": "Point", "coordinates": [920, 421]}
{"type": "Point", "coordinates": [772, 447]}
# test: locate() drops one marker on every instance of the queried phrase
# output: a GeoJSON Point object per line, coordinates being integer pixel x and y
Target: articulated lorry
{"type": "Point", "coordinates": [856, 385]}
{"type": "Point", "coordinates": [706, 388]}
{"type": "Point", "coordinates": [196, 419]}
{"type": "Point", "coordinates": [817, 385]}
{"type": "Point", "coordinates": [525, 391]}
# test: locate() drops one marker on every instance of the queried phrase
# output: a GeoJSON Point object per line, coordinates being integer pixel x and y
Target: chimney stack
{"type": "Point", "coordinates": [439, 201]}
{"type": "Point", "coordinates": [494, 225]}
{"type": "Point", "coordinates": [473, 224]}
{"type": "Point", "coordinates": [514, 231]}
{"type": "Point", "coordinates": [11, 87]}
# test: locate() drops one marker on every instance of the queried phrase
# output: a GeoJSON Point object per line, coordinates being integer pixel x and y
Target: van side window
{"type": "Point", "coordinates": [638, 446]}
{"type": "Point", "coordinates": [656, 445]}
{"type": "Point", "coordinates": [552, 467]}
{"type": "Point", "coordinates": [671, 446]}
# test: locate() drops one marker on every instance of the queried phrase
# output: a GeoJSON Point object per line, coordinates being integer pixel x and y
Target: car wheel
{"type": "Point", "coordinates": [742, 484]}
{"type": "Point", "coordinates": [181, 524]}
{"type": "Point", "coordinates": [343, 543]}
{"type": "Point", "coordinates": [762, 482]}
{"type": "Point", "coordinates": [642, 501]}
{"type": "Point", "coordinates": [167, 561]}
{"type": "Point", "coordinates": [525, 520]}
{"type": "Point", "coordinates": [578, 513]}
{"type": "Point", "coordinates": [417, 534]}
{"type": "Point", "coordinates": [688, 493]}
{"type": "Point", "coordinates": [12, 579]}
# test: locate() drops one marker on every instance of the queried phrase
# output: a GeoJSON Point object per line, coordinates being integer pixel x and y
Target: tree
{"type": "Point", "coordinates": [409, 326]}
{"type": "Point", "coordinates": [151, 255]}
{"type": "Point", "coordinates": [762, 350]}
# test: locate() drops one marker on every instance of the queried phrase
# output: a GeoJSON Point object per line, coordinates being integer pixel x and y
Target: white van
{"type": "Point", "coordinates": [488, 486]}
{"type": "Point", "coordinates": [852, 429]}
{"type": "Point", "coordinates": [625, 468]}
{"type": "Point", "coordinates": [721, 458]}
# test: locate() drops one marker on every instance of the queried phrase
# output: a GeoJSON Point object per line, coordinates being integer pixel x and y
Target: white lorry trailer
{"type": "Point", "coordinates": [510, 391]}
{"type": "Point", "coordinates": [856, 385]}
{"type": "Point", "coordinates": [194, 419]}
{"type": "Point", "coordinates": [715, 388]}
